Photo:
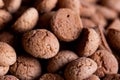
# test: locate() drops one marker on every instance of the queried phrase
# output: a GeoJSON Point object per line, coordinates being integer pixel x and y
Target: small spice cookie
{"type": "Point", "coordinates": [88, 43]}
{"type": "Point", "coordinates": [26, 68]}
{"type": "Point", "coordinates": [5, 17]}
{"type": "Point", "coordinates": [113, 34]}
{"type": "Point", "coordinates": [7, 54]}
{"type": "Point", "coordinates": [71, 4]}
{"type": "Point", "coordinates": [66, 25]}
{"type": "Point", "coordinates": [80, 69]}
{"type": "Point", "coordinates": [3, 70]}
{"type": "Point", "coordinates": [60, 60]}
{"type": "Point", "coordinates": [26, 21]}
{"type": "Point", "coordinates": [107, 63]}
{"type": "Point", "coordinates": [12, 5]}
{"type": "Point", "coordinates": [44, 6]}
{"type": "Point", "coordinates": [40, 43]}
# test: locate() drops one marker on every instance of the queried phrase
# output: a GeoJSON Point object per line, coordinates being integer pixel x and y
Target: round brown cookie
{"type": "Point", "coordinates": [88, 42]}
{"type": "Point", "coordinates": [3, 70]}
{"type": "Point", "coordinates": [1, 3]}
{"type": "Point", "coordinates": [12, 5]}
{"type": "Point", "coordinates": [113, 34]}
{"type": "Point", "coordinates": [8, 77]}
{"type": "Point", "coordinates": [112, 77]}
{"type": "Point", "coordinates": [60, 60]}
{"type": "Point", "coordinates": [66, 25]}
{"type": "Point", "coordinates": [40, 43]}
{"type": "Point", "coordinates": [5, 17]}
{"type": "Point", "coordinates": [7, 54]}
{"type": "Point", "coordinates": [107, 63]}
{"type": "Point", "coordinates": [7, 37]}
{"type": "Point", "coordinates": [80, 69]}
{"type": "Point", "coordinates": [44, 6]}
{"type": "Point", "coordinates": [26, 68]}
{"type": "Point", "coordinates": [26, 21]}
{"type": "Point", "coordinates": [92, 77]}
{"type": "Point", "coordinates": [50, 76]}
{"type": "Point", "coordinates": [71, 4]}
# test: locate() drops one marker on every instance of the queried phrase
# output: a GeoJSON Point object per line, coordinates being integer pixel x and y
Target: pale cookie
{"type": "Point", "coordinates": [12, 5]}
{"type": "Point", "coordinates": [7, 54]}
{"type": "Point", "coordinates": [26, 21]}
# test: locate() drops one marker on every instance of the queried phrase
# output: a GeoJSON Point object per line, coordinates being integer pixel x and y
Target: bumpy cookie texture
{"type": "Point", "coordinates": [112, 77]}
{"type": "Point", "coordinates": [113, 34]}
{"type": "Point", "coordinates": [26, 68]}
{"type": "Point", "coordinates": [44, 6]}
{"type": "Point", "coordinates": [5, 17]}
{"type": "Point", "coordinates": [107, 12]}
{"type": "Point", "coordinates": [71, 4]}
{"type": "Point", "coordinates": [113, 4]}
{"type": "Point", "coordinates": [60, 60]}
{"type": "Point", "coordinates": [3, 70]}
{"type": "Point", "coordinates": [44, 20]}
{"type": "Point", "coordinates": [1, 3]}
{"type": "Point", "coordinates": [93, 77]}
{"type": "Point", "coordinates": [7, 37]}
{"type": "Point", "coordinates": [7, 54]}
{"type": "Point", "coordinates": [12, 5]}
{"type": "Point", "coordinates": [40, 43]}
{"type": "Point", "coordinates": [66, 25]}
{"type": "Point", "coordinates": [26, 21]}
{"type": "Point", "coordinates": [50, 76]}
{"type": "Point", "coordinates": [80, 69]}
{"type": "Point", "coordinates": [88, 23]}
{"type": "Point", "coordinates": [8, 77]}
{"type": "Point", "coordinates": [88, 42]}
{"type": "Point", "coordinates": [107, 63]}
